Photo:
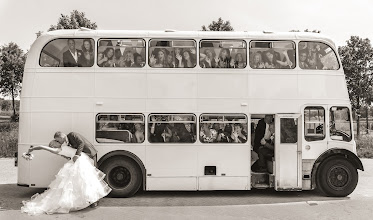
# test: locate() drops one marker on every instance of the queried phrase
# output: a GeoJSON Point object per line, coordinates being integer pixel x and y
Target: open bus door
{"type": "Point", "coordinates": [288, 152]}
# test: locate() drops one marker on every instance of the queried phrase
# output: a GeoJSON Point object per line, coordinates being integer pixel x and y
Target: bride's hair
{"type": "Point", "coordinates": [54, 144]}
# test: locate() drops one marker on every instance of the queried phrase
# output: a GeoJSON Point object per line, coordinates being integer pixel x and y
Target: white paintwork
{"type": "Point", "coordinates": [68, 99]}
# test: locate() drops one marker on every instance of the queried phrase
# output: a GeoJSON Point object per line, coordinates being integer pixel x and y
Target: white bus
{"type": "Point", "coordinates": [170, 110]}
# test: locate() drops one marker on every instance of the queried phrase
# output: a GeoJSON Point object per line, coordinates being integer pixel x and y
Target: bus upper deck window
{"type": "Point", "coordinates": [223, 54]}
{"type": "Point", "coordinates": [68, 52]}
{"type": "Point", "coordinates": [125, 53]}
{"type": "Point", "coordinates": [317, 56]}
{"type": "Point", "coordinates": [172, 53]}
{"type": "Point", "coordinates": [272, 54]}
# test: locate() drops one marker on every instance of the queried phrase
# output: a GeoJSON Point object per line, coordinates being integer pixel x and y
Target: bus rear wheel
{"type": "Point", "coordinates": [123, 175]}
{"type": "Point", "coordinates": [337, 177]}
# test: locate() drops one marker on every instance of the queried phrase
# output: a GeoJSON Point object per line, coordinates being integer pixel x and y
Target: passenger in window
{"type": "Point", "coordinates": [257, 61]}
{"type": "Point", "coordinates": [170, 60]}
{"type": "Point", "coordinates": [238, 135]}
{"type": "Point", "coordinates": [138, 62]}
{"type": "Point", "coordinates": [109, 59]}
{"type": "Point", "coordinates": [159, 60]}
{"type": "Point", "coordinates": [88, 56]}
{"type": "Point", "coordinates": [72, 57]}
{"type": "Point", "coordinates": [157, 128]}
{"type": "Point", "coordinates": [303, 59]}
{"type": "Point", "coordinates": [223, 133]}
{"type": "Point", "coordinates": [177, 53]}
{"type": "Point", "coordinates": [239, 62]}
{"type": "Point", "coordinates": [139, 133]}
{"type": "Point", "coordinates": [170, 133]}
{"type": "Point", "coordinates": [117, 54]}
{"type": "Point", "coordinates": [224, 60]}
{"type": "Point", "coordinates": [207, 134]}
{"type": "Point", "coordinates": [129, 58]}
{"type": "Point", "coordinates": [207, 59]}
{"type": "Point", "coordinates": [188, 59]}
{"type": "Point", "coordinates": [100, 59]}
{"type": "Point", "coordinates": [185, 132]}
{"type": "Point", "coordinates": [270, 62]}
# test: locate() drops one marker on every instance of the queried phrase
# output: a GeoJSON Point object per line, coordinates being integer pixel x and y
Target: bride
{"type": "Point", "coordinates": [77, 185]}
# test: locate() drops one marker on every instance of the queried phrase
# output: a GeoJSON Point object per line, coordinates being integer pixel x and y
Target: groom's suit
{"type": "Point", "coordinates": [78, 142]}
{"type": "Point", "coordinates": [69, 61]}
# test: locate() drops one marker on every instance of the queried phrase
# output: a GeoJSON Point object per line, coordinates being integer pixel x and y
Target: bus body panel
{"type": "Point", "coordinates": [68, 99]}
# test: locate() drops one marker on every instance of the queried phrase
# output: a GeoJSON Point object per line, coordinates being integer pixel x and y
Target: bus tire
{"type": "Point", "coordinates": [123, 175]}
{"type": "Point", "coordinates": [337, 177]}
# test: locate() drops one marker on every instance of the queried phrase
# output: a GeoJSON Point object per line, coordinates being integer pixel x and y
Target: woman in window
{"type": "Point", "coordinates": [88, 56]}
{"type": "Point", "coordinates": [207, 59]}
{"type": "Point", "coordinates": [188, 59]}
{"type": "Point", "coordinates": [270, 60]}
{"type": "Point", "coordinates": [159, 60]}
{"type": "Point", "coordinates": [257, 62]}
{"type": "Point", "coordinates": [138, 137]}
{"type": "Point", "coordinates": [239, 62]}
{"type": "Point", "coordinates": [224, 60]}
{"type": "Point", "coordinates": [207, 134]}
{"type": "Point", "coordinates": [238, 134]}
{"type": "Point", "coordinates": [108, 60]}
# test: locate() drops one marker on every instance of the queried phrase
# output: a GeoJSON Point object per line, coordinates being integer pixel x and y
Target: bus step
{"type": "Point", "coordinates": [257, 179]}
{"type": "Point", "coordinates": [261, 186]}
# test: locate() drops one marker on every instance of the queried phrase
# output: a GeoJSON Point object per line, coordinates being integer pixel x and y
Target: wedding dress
{"type": "Point", "coordinates": [76, 186]}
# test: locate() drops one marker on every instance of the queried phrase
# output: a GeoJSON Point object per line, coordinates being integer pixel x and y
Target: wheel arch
{"type": "Point", "coordinates": [335, 152]}
{"type": "Point", "coordinates": [128, 154]}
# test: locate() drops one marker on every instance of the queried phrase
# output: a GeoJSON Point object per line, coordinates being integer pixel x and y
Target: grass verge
{"type": "Point", "coordinates": [364, 146]}
{"type": "Point", "coordinates": [8, 138]}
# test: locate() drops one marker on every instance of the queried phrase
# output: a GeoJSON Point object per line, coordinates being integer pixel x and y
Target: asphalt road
{"type": "Point", "coordinates": [255, 204]}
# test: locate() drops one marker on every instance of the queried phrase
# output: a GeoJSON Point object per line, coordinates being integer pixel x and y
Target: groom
{"type": "Point", "coordinates": [77, 141]}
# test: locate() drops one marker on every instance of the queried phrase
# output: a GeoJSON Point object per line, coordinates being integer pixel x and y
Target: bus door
{"type": "Point", "coordinates": [288, 152]}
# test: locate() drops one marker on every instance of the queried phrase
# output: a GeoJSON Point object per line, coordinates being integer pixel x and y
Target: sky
{"type": "Point", "coordinates": [338, 19]}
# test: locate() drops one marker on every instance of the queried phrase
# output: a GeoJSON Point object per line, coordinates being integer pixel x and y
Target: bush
{"type": "Point", "coordinates": [364, 146]}
{"type": "Point", "coordinates": [8, 139]}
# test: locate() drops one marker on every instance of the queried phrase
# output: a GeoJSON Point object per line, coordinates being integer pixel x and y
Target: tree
{"type": "Point", "coordinates": [11, 71]}
{"type": "Point", "coordinates": [76, 20]}
{"type": "Point", "coordinates": [356, 59]}
{"type": "Point", "coordinates": [219, 25]}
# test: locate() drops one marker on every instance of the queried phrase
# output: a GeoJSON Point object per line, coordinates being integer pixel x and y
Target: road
{"type": "Point", "coordinates": [255, 204]}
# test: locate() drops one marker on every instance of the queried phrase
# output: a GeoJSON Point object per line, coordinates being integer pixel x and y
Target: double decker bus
{"type": "Point", "coordinates": [173, 110]}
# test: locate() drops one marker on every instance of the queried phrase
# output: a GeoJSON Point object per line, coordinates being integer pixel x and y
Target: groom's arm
{"type": "Point", "coordinates": [80, 144]}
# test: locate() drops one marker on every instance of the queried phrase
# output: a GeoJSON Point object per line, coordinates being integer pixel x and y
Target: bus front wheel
{"type": "Point", "coordinates": [123, 175]}
{"type": "Point", "coordinates": [337, 177]}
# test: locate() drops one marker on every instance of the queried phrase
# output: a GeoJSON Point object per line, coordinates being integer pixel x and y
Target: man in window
{"type": "Point", "coordinates": [72, 57]}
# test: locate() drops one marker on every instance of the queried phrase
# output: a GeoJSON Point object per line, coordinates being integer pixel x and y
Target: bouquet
{"type": "Point", "coordinates": [28, 156]}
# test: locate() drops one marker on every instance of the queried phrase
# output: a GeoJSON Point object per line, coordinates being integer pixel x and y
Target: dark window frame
{"type": "Point", "coordinates": [232, 39]}
{"type": "Point", "coordinates": [172, 39]}
{"type": "Point", "coordinates": [335, 54]}
{"type": "Point", "coordinates": [148, 121]}
{"type": "Point", "coordinates": [54, 57]}
{"type": "Point", "coordinates": [116, 113]}
{"type": "Point", "coordinates": [123, 38]}
{"type": "Point", "coordinates": [269, 40]}
{"type": "Point", "coordinates": [212, 122]}
{"type": "Point", "coordinates": [323, 126]}
{"type": "Point", "coordinates": [350, 123]}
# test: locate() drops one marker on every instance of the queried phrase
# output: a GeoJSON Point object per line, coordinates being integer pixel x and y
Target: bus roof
{"type": "Point", "coordinates": [84, 32]}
